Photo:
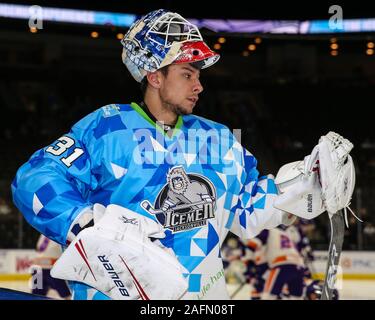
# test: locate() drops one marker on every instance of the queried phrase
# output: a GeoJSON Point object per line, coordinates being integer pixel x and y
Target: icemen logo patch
{"type": "Point", "coordinates": [185, 202]}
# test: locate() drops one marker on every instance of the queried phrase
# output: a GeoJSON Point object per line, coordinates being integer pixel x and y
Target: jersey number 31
{"type": "Point", "coordinates": [64, 143]}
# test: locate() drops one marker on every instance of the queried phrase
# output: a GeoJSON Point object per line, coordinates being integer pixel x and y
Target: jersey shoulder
{"type": "Point", "coordinates": [105, 112]}
{"type": "Point", "coordinates": [104, 120]}
{"type": "Point", "coordinates": [196, 122]}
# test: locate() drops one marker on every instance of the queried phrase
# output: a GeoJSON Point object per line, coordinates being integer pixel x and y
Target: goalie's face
{"type": "Point", "coordinates": [179, 88]}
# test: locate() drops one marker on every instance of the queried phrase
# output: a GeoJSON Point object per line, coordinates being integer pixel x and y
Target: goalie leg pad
{"type": "Point", "coordinates": [117, 258]}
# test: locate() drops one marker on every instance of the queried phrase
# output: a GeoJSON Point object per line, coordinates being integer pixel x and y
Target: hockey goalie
{"type": "Point", "coordinates": [140, 206]}
{"type": "Point", "coordinates": [121, 255]}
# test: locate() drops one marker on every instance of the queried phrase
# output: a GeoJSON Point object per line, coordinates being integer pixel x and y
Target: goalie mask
{"type": "Point", "coordinates": [161, 38]}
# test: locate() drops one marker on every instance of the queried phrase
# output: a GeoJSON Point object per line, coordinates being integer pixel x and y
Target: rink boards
{"type": "Point", "coordinates": [15, 264]}
{"type": "Point", "coordinates": [356, 280]}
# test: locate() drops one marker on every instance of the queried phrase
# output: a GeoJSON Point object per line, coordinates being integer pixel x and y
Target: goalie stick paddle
{"type": "Point", "coordinates": [335, 247]}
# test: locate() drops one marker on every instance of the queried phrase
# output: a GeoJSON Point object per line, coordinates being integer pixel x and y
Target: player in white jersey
{"type": "Point", "coordinates": [285, 265]}
{"type": "Point", "coordinates": [144, 194]}
{"type": "Point", "coordinates": [302, 244]}
{"type": "Point", "coordinates": [48, 252]}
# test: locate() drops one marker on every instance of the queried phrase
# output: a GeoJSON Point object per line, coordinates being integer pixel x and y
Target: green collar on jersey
{"type": "Point", "coordinates": [144, 115]}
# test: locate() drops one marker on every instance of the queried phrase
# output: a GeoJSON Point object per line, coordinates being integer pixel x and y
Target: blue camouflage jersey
{"type": "Point", "coordinates": [199, 183]}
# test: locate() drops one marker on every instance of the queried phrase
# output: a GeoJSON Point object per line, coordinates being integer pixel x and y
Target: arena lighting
{"type": "Point", "coordinates": [334, 46]}
{"type": "Point", "coordinates": [67, 15]}
{"type": "Point", "coordinates": [258, 40]}
{"type": "Point", "coordinates": [217, 46]}
{"type": "Point", "coordinates": [119, 36]}
{"type": "Point", "coordinates": [221, 40]}
{"type": "Point", "coordinates": [369, 52]}
{"type": "Point", "coordinates": [252, 47]}
{"type": "Point", "coordinates": [285, 26]}
{"type": "Point", "coordinates": [334, 53]}
{"type": "Point", "coordinates": [219, 25]}
{"type": "Point", "coordinates": [370, 45]}
{"type": "Point", "coordinates": [94, 34]}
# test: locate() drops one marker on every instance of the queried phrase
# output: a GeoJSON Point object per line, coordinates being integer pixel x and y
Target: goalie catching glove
{"type": "Point", "coordinates": [323, 181]}
{"type": "Point", "coordinates": [117, 257]}
{"type": "Point", "coordinates": [337, 171]}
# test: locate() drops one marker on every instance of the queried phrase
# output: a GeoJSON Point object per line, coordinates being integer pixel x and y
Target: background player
{"type": "Point", "coordinates": [257, 264]}
{"type": "Point", "coordinates": [48, 252]}
{"type": "Point", "coordinates": [297, 234]}
{"type": "Point", "coordinates": [286, 268]}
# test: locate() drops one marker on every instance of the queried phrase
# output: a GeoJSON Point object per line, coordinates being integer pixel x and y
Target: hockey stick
{"type": "Point", "coordinates": [241, 285]}
{"type": "Point", "coordinates": [235, 292]}
{"type": "Point", "coordinates": [150, 209]}
{"type": "Point", "coordinates": [334, 252]}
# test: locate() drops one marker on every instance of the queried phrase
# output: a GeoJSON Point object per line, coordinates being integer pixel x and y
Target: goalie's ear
{"type": "Point", "coordinates": [154, 79]}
